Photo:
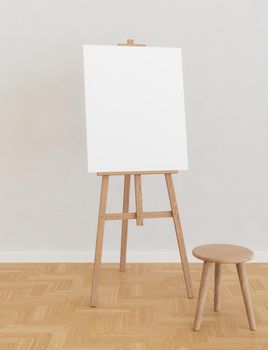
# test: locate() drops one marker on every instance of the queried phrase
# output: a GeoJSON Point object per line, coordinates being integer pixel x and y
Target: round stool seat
{"type": "Point", "coordinates": [223, 253]}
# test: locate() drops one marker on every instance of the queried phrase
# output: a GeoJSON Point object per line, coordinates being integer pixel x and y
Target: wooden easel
{"type": "Point", "coordinates": [139, 215]}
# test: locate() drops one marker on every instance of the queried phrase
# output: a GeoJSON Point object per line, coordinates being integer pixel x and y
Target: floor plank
{"type": "Point", "coordinates": [46, 306]}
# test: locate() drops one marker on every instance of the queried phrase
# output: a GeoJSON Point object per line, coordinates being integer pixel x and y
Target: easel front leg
{"type": "Point", "coordinates": [179, 234]}
{"type": "Point", "coordinates": [124, 224]}
{"type": "Point", "coordinates": [99, 240]}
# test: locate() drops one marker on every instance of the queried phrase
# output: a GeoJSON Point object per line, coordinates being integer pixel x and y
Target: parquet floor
{"type": "Point", "coordinates": [46, 306]}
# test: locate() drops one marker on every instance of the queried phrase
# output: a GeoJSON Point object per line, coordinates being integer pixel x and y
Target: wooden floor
{"type": "Point", "coordinates": [46, 306]}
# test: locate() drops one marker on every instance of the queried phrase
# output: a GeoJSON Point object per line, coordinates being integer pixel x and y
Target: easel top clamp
{"type": "Point", "coordinates": [139, 215]}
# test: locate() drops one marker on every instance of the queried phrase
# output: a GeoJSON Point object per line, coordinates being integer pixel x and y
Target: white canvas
{"type": "Point", "coordinates": [134, 108]}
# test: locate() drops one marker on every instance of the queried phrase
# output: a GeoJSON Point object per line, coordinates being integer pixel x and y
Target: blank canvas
{"type": "Point", "coordinates": [134, 108]}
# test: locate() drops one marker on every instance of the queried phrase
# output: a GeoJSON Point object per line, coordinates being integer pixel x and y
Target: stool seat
{"type": "Point", "coordinates": [223, 253]}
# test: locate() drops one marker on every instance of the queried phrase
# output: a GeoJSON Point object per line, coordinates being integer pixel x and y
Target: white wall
{"type": "Point", "coordinates": [49, 203]}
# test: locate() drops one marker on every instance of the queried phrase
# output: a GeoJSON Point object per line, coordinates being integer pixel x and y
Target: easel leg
{"type": "Point", "coordinates": [179, 234]}
{"type": "Point", "coordinates": [138, 199]}
{"type": "Point", "coordinates": [125, 224]}
{"type": "Point", "coordinates": [99, 240]}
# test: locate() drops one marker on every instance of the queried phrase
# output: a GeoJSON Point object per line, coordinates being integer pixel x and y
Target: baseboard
{"type": "Point", "coordinates": [132, 257]}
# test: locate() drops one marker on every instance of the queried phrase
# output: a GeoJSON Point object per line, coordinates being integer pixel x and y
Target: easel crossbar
{"type": "Point", "coordinates": [145, 215]}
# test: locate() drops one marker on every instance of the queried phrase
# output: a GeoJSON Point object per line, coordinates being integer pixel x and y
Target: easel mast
{"type": "Point", "coordinates": [139, 216]}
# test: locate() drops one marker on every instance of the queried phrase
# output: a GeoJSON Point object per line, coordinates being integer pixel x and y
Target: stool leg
{"type": "Point", "coordinates": [246, 295]}
{"type": "Point", "coordinates": [99, 240]}
{"type": "Point", "coordinates": [207, 269]}
{"type": "Point", "coordinates": [217, 286]}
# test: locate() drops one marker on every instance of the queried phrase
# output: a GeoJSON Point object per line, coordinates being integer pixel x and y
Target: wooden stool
{"type": "Point", "coordinates": [222, 254]}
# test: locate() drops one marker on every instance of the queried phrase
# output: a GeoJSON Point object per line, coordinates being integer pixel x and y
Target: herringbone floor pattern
{"type": "Point", "coordinates": [46, 306]}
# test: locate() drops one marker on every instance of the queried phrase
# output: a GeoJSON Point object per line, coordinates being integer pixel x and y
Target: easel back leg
{"type": "Point", "coordinates": [138, 198]}
{"type": "Point", "coordinates": [124, 230]}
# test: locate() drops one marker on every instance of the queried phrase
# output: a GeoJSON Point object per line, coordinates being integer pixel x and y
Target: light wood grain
{"type": "Point", "coordinates": [133, 215]}
{"type": "Point", "coordinates": [46, 307]}
{"type": "Point", "coordinates": [124, 223]}
{"type": "Point", "coordinates": [138, 199]}
{"type": "Point", "coordinates": [130, 42]}
{"type": "Point", "coordinates": [206, 273]}
{"type": "Point", "coordinates": [99, 240]}
{"type": "Point", "coordinates": [217, 286]}
{"type": "Point", "coordinates": [223, 253]}
{"type": "Point", "coordinates": [179, 235]}
{"type": "Point", "coordinates": [246, 295]}
{"type": "Point", "coordinates": [139, 215]}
